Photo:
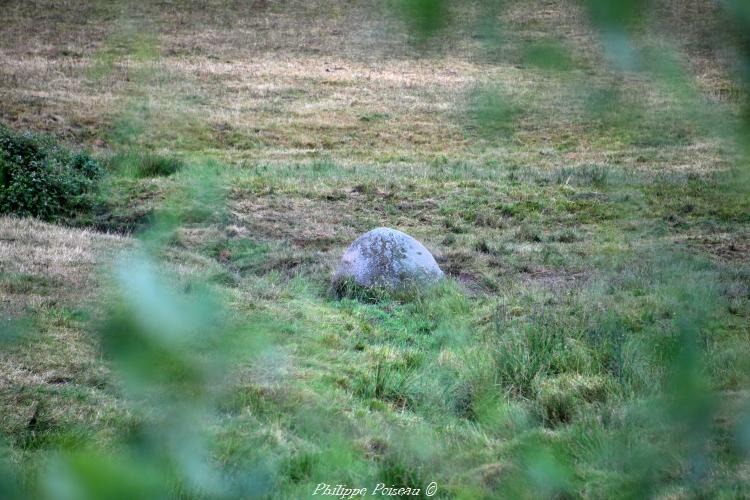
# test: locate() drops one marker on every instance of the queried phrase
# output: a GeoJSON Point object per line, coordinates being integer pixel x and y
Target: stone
{"type": "Point", "coordinates": [387, 258]}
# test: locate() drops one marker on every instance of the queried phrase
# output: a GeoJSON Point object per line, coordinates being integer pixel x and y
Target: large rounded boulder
{"type": "Point", "coordinates": [387, 258]}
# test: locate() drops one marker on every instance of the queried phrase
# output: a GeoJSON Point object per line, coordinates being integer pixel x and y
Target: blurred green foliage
{"type": "Point", "coordinates": [617, 14]}
{"type": "Point", "coordinates": [425, 17]}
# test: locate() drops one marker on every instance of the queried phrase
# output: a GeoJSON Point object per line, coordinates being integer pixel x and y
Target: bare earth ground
{"type": "Point", "coordinates": [327, 119]}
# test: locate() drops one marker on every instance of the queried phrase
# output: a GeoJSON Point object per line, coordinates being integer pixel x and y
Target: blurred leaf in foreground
{"type": "Point", "coordinates": [425, 17]}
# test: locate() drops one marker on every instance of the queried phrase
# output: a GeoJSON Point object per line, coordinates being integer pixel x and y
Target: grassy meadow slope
{"type": "Point", "coordinates": [592, 339]}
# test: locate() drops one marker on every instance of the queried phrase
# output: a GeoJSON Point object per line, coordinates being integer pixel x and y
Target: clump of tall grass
{"type": "Point", "coordinates": [144, 164]}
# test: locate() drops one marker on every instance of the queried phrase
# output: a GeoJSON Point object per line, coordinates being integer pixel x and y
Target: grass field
{"type": "Point", "coordinates": [592, 339]}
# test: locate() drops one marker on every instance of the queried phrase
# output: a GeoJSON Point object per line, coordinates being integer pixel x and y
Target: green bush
{"type": "Point", "coordinates": [40, 178]}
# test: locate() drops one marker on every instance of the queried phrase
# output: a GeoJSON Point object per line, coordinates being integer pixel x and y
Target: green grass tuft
{"type": "Point", "coordinates": [141, 165]}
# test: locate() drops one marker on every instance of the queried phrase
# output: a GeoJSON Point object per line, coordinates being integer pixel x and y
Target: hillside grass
{"type": "Point", "coordinates": [591, 339]}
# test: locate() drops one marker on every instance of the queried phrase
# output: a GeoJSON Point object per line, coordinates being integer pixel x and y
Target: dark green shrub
{"type": "Point", "coordinates": [40, 178]}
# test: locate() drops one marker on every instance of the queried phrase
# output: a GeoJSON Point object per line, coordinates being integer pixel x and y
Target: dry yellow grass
{"type": "Point", "coordinates": [284, 80]}
{"type": "Point", "coordinates": [48, 273]}
{"type": "Point", "coordinates": [65, 258]}
{"type": "Point", "coordinates": [256, 84]}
